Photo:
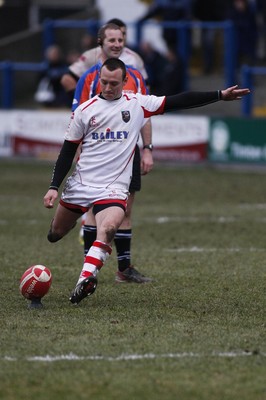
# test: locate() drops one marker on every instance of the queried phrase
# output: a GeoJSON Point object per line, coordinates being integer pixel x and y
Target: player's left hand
{"type": "Point", "coordinates": [233, 93]}
{"type": "Point", "coordinates": [146, 163]}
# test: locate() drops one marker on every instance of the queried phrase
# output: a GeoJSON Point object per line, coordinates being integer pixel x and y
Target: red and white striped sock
{"type": "Point", "coordinates": [94, 260]}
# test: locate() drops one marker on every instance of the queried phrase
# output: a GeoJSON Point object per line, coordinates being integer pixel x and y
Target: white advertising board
{"type": "Point", "coordinates": [39, 133]}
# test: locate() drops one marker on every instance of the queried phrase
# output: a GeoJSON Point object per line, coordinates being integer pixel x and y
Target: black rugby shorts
{"type": "Point", "coordinates": [135, 184]}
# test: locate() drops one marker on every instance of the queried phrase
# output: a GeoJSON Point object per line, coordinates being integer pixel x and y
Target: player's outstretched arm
{"type": "Point", "coordinates": [194, 99]}
{"type": "Point", "coordinates": [233, 93]}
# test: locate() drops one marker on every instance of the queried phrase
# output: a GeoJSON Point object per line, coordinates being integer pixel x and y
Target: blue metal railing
{"type": "Point", "coordinates": [8, 68]}
{"type": "Point", "coordinates": [184, 48]}
{"type": "Point", "coordinates": [182, 31]}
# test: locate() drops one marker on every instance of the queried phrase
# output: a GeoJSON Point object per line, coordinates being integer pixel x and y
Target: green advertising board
{"type": "Point", "coordinates": [237, 140]}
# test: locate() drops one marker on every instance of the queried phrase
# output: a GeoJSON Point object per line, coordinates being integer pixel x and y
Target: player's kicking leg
{"type": "Point", "coordinates": [63, 221]}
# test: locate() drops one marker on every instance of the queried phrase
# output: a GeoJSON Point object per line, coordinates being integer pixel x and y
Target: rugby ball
{"type": "Point", "coordinates": [35, 282]}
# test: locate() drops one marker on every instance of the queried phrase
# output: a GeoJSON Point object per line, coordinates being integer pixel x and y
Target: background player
{"type": "Point", "coordinates": [92, 56]}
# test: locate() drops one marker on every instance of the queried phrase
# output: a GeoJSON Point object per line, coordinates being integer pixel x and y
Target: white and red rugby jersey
{"type": "Point", "coordinates": [109, 132]}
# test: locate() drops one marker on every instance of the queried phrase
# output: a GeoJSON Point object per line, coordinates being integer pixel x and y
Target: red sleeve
{"type": "Point", "coordinates": [160, 110]}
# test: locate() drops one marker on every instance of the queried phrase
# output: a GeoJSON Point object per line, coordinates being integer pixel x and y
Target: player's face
{"type": "Point", "coordinates": [113, 43]}
{"type": "Point", "coordinates": [111, 83]}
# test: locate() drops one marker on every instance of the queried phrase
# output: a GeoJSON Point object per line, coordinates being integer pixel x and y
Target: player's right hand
{"type": "Point", "coordinates": [49, 198]}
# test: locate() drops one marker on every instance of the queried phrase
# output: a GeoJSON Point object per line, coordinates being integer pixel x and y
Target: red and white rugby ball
{"type": "Point", "coordinates": [35, 282]}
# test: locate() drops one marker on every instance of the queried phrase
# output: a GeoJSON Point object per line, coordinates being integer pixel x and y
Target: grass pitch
{"type": "Point", "coordinates": [196, 332]}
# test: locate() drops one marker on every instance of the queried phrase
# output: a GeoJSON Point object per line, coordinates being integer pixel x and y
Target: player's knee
{"type": "Point", "coordinates": [53, 237]}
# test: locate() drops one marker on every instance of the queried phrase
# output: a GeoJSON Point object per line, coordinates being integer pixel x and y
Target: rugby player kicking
{"type": "Point", "coordinates": [111, 40]}
{"type": "Point", "coordinates": [107, 127]}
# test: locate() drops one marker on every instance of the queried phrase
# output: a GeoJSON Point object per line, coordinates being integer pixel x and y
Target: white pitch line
{"type": "Point", "coordinates": [194, 219]}
{"type": "Point", "coordinates": [162, 220]}
{"type": "Point", "coordinates": [133, 357]}
{"type": "Point", "coordinates": [255, 206]}
{"type": "Point", "coordinates": [190, 219]}
{"type": "Point", "coordinates": [195, 249]}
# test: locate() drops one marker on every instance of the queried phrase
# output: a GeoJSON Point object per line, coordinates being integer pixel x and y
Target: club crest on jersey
{"type": "Point", "coordinates": [92, 121]}
{"type": "Point", "coordinates": [125, 116]}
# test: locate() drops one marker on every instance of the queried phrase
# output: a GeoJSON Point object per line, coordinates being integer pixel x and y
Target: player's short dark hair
{"type": "Point", "coordinates": [114, 63]}
{"type": "Point", "coordinates": [117, 22]}
{"type": "Point", "coordinates": [102, 30]}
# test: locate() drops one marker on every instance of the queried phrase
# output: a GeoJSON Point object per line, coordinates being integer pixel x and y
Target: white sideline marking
{"type": "Point", "coordinates": [164, 219]}
{"type": "Point", "coordinates": [196, 249]}
{"type": "Point", "coordinates": [190, 219]}
{"type": "Point", "coordinates": [133, 357]}
{"type": "Point", "coordinates": [221, 219]}
{"type": "Point", "coordinates": [258, 206]}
